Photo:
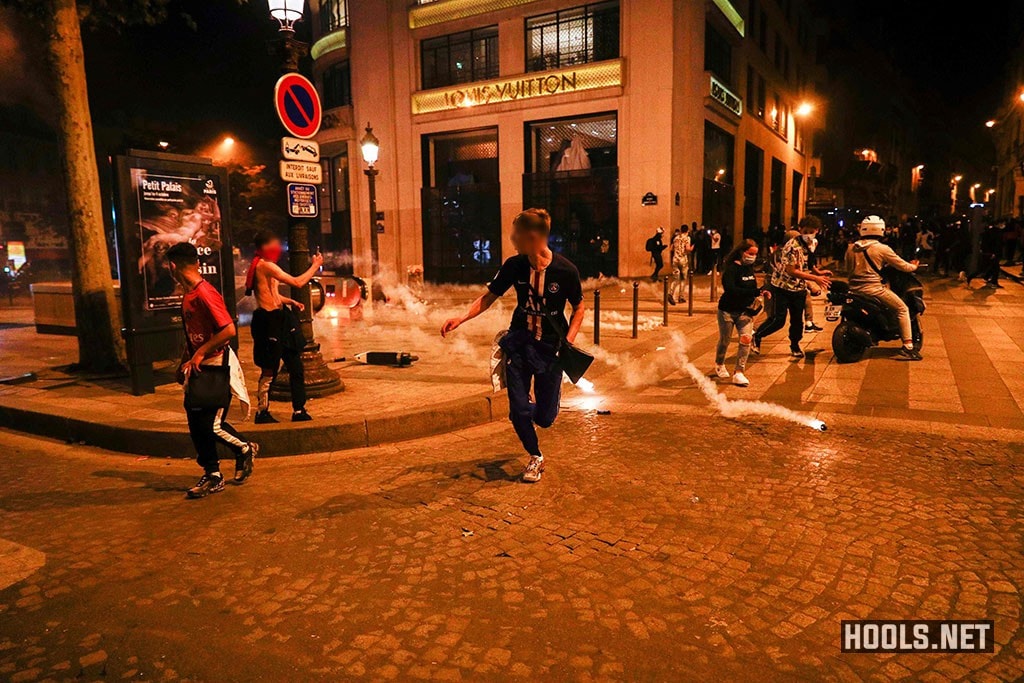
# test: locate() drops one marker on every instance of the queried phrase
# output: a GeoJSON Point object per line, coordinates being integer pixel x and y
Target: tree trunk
{"type": "Point", "coordinates": [100, 346]}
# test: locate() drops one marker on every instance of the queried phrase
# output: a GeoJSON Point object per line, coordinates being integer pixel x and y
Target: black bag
{"type": "Point", "coordinates": [574, 361]}
{"type": "Point", "coordinates": [210, 388]}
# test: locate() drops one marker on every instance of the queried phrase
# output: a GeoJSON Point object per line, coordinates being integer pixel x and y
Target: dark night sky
{"type": "Point", "coordinates": [195, 85]}
{"type": "Point", "coordinates": [954, 61]}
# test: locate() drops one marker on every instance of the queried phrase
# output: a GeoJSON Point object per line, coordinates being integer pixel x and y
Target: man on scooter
{"type": "Point", "coordinates": [865, 260]}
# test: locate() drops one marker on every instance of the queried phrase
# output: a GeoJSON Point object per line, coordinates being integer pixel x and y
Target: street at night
{"type": "Point", "coordinates": [499, 340]}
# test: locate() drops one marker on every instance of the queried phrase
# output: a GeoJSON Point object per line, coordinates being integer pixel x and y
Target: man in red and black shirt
{"type": "Point", "coordinates": [208, 330]}
{"type": "Point", "coordinates": [544, 282]}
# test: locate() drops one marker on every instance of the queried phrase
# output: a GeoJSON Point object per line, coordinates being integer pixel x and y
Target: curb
{"type": "Point", "coordinates": [141, 437]}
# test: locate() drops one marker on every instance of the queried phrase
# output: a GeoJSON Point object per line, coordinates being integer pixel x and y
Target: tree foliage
{"type": "Point", "coordinates": [110, 13]}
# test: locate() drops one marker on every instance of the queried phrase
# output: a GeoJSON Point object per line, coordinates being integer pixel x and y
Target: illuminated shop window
{"type": "Point", "coordinates": [459, 57]}
{"type": "Point", "coordinates": [333, 15]}
{"type": "Point", "coordinates": [589, 33]}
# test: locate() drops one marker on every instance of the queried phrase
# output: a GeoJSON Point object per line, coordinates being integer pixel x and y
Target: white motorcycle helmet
{"type": "Point", "coordinates": [872, 226]}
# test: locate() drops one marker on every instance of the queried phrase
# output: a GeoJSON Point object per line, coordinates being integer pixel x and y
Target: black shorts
{"type": "Point", "coordinates": [274, 333]}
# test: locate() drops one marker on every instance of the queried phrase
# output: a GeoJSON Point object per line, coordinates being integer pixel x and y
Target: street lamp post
{"type": "Point", "coordinates": [371, 152]}
{"type": "Point", "coordinates": [320, 380]}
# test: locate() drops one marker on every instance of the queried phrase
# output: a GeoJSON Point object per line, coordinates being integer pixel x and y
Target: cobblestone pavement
{"type": "Point", "coordinates": [668, 546]}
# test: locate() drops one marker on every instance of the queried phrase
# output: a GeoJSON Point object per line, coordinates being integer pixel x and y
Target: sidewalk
{"type": "Point", "coordinates": [973, 374]}
{"type": "Point", "coordinates": [446, 390]}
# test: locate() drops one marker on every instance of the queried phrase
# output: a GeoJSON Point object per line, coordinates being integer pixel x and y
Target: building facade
{"type": "Point", "coordinates": [1008, 135]}
{"type": "Point", "coordinates": [618, 116]}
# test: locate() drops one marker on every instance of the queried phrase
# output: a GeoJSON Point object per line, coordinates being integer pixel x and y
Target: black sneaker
{"type": "Point", "coordinates": [264, 417]}
{"type": "Point", "coordinates": [813, 327]}
{"type": "Point", "coordinates": [244, 463]}
{"type": "Point", "coordinates": [301, 416]}
{"type": "Point", "coordinates": [795, 351]}
{"type": "Point", "coordinates": [909, 354]}
{"type": "Point", "coordinates": [671, 299]}
{"type": "Point", "coordinates": [207, 484]}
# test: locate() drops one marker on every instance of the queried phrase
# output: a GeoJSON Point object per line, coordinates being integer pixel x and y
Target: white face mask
{"type": "Point", "coordinates": [747, 260]}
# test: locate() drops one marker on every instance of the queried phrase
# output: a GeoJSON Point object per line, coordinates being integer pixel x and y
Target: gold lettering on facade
{"type": "Point", "coordinates": [597, 75]}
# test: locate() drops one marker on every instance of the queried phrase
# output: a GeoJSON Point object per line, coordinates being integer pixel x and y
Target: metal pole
{"type": "Point", "coordinates": [714, 282]}
{"type": "Point", "coordinates": [664, 301]}
{"type": "Point", "coordinates": [320, 380]}
{"type": "Point", "coordinates": [597, 317]}
{"type": "Point", "coordinates": [371, 174]}
{"type": "Point", "coordinates": [636, 307]}
{"type": "Point", "coordinates": [689, 286]}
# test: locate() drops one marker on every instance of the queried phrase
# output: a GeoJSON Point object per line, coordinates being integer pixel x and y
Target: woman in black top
{"type": "Point", "coordinates": [737, 308]}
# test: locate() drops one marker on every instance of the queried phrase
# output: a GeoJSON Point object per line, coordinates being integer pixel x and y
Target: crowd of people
{"type": "Point", "coordinates": [532, 347]}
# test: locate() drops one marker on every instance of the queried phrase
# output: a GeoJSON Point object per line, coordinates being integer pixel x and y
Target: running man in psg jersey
{"type": "Point", "coordinates": [544, 283]}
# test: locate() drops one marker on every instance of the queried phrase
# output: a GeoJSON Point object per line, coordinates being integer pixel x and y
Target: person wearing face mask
{"type": "Point", "coordinates": [789, 286]}
{"type": "Point", "coordinates": [736, 309]}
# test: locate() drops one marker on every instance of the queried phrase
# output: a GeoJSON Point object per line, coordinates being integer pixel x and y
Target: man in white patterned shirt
{"type": "Point", "coordinates": [789, 288]}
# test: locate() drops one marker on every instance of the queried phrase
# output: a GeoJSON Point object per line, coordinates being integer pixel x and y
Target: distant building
{"type": "Point", "coordinates": [618, 116]}
{"type": "Point", "coordinates": [870, 156]}
{"type": "Point", "coordinates": [32, 202]}
{"type": "Point", "coordinates": [1008, 134]}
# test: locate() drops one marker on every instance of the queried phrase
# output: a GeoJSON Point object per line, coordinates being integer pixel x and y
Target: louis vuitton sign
{"type": "Point", "coordinates": [522, 87]}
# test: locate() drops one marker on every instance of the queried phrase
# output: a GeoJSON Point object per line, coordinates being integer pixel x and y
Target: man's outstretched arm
{"type": "Point", "coordinates": [483, 302]}
{"type": "Point", "coordinates": [296, 281]}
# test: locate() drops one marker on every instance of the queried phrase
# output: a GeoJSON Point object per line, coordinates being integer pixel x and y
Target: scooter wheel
{"type": "Point", "coordinates": [845, 346]}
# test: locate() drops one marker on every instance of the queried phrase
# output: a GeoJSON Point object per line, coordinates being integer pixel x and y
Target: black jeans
{"type": "Point", "coordinates": [659, 263]}
{"type": "Point", "coordinates": [208, 427]}
{"type": "Point", "coordinates": [296, 377]}
{"type": "Point", "coordinates": [785, 302]}
{"type": "Point", "coordinates": [527, 362]}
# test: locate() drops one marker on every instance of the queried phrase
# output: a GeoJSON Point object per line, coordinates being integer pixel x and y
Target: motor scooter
{"type": "Point", "coordinates": [866, 321]}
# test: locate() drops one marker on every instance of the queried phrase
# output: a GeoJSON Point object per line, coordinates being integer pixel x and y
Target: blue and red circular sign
{"type": "Point", "coordinates": [298, 105]}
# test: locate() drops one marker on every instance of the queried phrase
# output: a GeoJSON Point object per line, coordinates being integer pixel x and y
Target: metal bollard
{"type": "Point", "coordinates": [636, 307]}
{"type": "Point", "coordinates": [664, 302]}
{"type": "Point", "coordinates": [689, 297]}
{"type": "Point", "coordinates": [597, 317]}
{"type": "Point", "coordinates": [714, 282]}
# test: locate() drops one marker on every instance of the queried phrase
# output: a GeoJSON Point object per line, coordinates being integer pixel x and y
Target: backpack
{"type": "Point", "coordinates": [652, 245]}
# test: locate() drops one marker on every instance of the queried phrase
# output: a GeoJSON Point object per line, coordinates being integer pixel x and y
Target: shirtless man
{"type": "Point", "coordinates": [276, 332]}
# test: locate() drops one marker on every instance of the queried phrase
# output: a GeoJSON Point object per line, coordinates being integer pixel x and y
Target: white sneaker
{"type": "Point", "coordinates": [534, 469]}
{"type": "Point", "coordinates": [721, 372]}
{"type": "Point", "coordinates": [740, 380]}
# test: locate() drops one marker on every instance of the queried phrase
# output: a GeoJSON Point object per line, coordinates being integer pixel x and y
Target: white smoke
{"type": "Point", "coordinates": [646, 370]}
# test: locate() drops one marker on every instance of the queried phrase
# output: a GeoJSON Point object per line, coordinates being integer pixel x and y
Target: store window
{"type": "Point", "coordinates": [573, 172]}
{"type": "Point", "coordinates": [337, 90]}
{"type": "Point", "coordinates": [777, 193]}
{"type": "Point", "coordinates": [762, 96]}
{"type": "Point", "coordinates": [333, 15]}
{"type": "Point", "coordinates": [461, 200]}
{"type": "Point", "coordinates": [719, 195]}
{"type": "Point", "coordinates": [338, 240]}
{"type": "Point", "coordinates": [589, 33]}
{"type": "Point", "coordinates": [459, 57]}
{"type": "Point", "coordinates": [717, 54]}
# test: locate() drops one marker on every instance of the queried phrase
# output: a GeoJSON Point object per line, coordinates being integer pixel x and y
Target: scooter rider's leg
{"type": "Point", "coordinates": [890, 299]}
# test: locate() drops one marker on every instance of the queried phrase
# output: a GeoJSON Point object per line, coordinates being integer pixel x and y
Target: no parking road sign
{"type": "Point", "coordinates": [298, 105]}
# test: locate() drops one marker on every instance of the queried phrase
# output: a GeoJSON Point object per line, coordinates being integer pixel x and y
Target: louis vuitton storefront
{"type": "Point", "coordinates": [603, 113]}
